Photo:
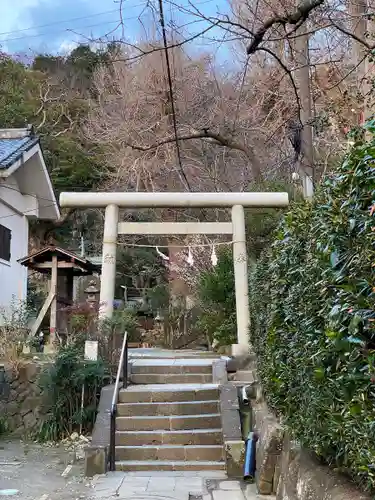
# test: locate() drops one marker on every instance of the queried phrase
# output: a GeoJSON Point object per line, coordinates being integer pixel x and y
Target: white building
{"type": "Point", "coordinates": [26, 193]}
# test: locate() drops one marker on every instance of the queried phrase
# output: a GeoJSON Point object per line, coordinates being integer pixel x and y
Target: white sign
{"type": "Point", "coordinates": [91, 350]}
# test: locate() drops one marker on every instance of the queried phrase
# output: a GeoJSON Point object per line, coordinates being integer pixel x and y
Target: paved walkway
{"type": "Point", "coordinates": [208, 485]}
{"type": "Point", "coordinates": [35, 472]}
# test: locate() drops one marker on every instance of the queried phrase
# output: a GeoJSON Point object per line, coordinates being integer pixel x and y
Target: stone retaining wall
{"type": "Point", "coordinates": [286, 470]}
{"type": "Point", "coordinates": [21, 403]}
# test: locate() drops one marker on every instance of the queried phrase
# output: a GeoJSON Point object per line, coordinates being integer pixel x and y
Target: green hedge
{"type": "Point", "coordinates": [313, 318]}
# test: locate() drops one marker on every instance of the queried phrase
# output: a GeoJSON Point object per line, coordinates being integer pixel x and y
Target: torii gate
{"type": "Point", "coordinates": [112, 228]}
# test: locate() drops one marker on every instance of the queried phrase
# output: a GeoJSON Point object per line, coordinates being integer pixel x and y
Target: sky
{"type": "Point", "coordinates": [56, 26]}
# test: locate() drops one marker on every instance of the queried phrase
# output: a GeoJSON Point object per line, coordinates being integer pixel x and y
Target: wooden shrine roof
{"type": "Point", "coordinates": [69, 262]}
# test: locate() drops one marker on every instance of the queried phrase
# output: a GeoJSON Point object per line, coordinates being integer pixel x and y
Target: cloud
{"type": "Point", "coordinates": [57, 26]}
{"type": "Point", "coordinates": [57, 23]}
{"type": "Point", "coordinates": [9, 19]}
{"type": "Point", "coordinates": [66, 46]}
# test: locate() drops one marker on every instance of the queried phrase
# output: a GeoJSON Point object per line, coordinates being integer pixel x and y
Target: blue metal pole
{"type": "Point", "coordinates": [250, 456]}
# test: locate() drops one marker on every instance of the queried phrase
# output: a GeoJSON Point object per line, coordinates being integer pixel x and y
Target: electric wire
{"type": "Point", "coordinates": [171, 94]}
{"type": "Point", "coordinates": [244, 75]}
{"type": "Point", "coordinates": [56, 23]}
{"type": "Point", "coordinates": [59, 22]}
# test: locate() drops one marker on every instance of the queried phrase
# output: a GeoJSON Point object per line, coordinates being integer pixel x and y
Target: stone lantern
{"type": "Point", "coordinates": [159, 317]}
{"type": "Point", "coordinates": [92, 292]}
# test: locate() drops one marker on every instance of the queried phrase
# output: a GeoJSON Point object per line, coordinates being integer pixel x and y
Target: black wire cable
{"type": "Point", "coordinates": [169, 75]}
{"type": "Point", "coordinates": [244, 74]}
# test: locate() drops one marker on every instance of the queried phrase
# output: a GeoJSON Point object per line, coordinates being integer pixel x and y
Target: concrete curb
{"type": "Point", "coordinates": [234, 446]}
{"type": "Point", "coordinates": [96, 455]}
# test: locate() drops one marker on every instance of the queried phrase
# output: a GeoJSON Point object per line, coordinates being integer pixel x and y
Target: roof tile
{"type": "Point", "coordinates": [11, 149]}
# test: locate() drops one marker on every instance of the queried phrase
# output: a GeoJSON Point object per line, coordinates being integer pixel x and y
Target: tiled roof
{"type": "Point", "coordinates": [12, 147]}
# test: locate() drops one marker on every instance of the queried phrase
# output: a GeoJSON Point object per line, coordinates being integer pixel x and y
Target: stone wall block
{"type": "Point", "coordinates": [23, 406]}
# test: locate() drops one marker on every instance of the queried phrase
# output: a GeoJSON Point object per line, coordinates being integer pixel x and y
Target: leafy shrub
{"type": "Point", "coordinates": [36, 296]}
{"type": "Point", "coordinates": [4, 425]}
{"type": "Point", "coordinates": [313, 318]}
{"type": "Point", "coordinates": [83, 320]}
{"type": "Point", "coordinates": [62, 386]}
{"type": "Point", "coordinates": [111, 336]}
{"type": "Point", "coordinates": [123, 320]}
{"type": "Point", "coordinates": [262, 222]}
{"type": "Point", "coordinates": [84, 325]}
{"type": "Point", "coordinates": [217, 301]}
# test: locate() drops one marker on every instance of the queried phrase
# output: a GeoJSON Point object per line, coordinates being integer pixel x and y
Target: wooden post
{"type": "Point", "coordinates": [42, 313]}
{"type": "Point", "coordinates": [53, 290]}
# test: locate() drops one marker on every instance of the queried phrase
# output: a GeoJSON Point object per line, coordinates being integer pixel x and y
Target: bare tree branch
{"type": "Point", "coordinates": [289, 73]}
{"type": "Point", "coordinates": [211, 136]}
{"type": "Point", "coordinates": [351, 34]}
{"type": "Point", "coordinates": [296, 18]}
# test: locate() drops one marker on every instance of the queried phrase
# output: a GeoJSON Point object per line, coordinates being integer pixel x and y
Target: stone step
{"type": "Point", "coordinates": [208, 421]}
{"type": "Point", "coordinates": [160, 393]}
{"type": "Point", "coordinates": [155, 353]}
{"type": "Point", "coordinates": [239, 383]}
{"type": "Point", "coordinates": [204, 355]}
{"type": "Point", "coordinates": [171, 378]}
{"type": "Point", "coordinates": [176, 368]}
{"type": "Point", "coordinates": [167, 408]}
{"type": "Point", "coordinates": [157, 465]}
{"type": "Point", "coordinates": [173, 453]}
{"type": "Point", "coordinates": [181, 437]}
{"type": "Point", "coordinates": [244, 376]}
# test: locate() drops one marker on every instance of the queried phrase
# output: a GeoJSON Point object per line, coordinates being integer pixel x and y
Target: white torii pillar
{"type": "Point", "coordinates": [236, 201]}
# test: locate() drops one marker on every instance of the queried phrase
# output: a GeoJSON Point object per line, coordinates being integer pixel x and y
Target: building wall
{"type": "Point", "coordinates": [13, 276]}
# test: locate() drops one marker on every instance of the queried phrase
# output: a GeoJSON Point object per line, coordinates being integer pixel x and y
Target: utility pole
{"type": "Point", "coordinates": [363, 28]}
{"type": "Point", "coordinates": [302, 78]}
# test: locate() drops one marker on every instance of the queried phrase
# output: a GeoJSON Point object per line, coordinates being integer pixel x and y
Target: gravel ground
{"type": "Point", "coordinates": [36, 472]}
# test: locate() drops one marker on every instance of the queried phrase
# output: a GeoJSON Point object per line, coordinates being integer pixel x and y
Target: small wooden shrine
{"type": "Point", "coordinates": [62, 266]}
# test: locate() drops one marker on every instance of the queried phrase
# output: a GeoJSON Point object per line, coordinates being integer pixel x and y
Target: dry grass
{"type": "Point", "coordinates": [13, 334]}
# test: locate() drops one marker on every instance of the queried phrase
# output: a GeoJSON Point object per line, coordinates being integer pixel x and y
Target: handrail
{"type": "Point", "coordinates": [122, 367]}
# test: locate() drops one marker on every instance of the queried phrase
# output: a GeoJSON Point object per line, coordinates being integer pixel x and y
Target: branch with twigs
{"type": "Point", "coordinates": [44, 231]}
{"type": "Point", "coordinates": [212, 137]}
{"type": "Point", "coordinates": [44, 100]}
{"type": "Point", "coordinates": [46, 103]}
{"type": "Point", "coordinates": [369, 46]}
{"type": "Point", "coordinates": [296, 18]}
{"type": "Point", "coordinates": [289, 73]}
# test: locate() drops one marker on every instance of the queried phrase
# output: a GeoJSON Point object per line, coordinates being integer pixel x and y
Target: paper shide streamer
{"type": "Point", "coordinates": [161, 254]}
{"type": "Point", "coordinates": [190, 258]}
{"type": "Point", "coordinates": [213, 256]}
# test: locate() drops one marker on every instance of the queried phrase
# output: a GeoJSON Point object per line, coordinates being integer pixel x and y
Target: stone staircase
{"type": "Point", "coordinates": [169, 418]}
